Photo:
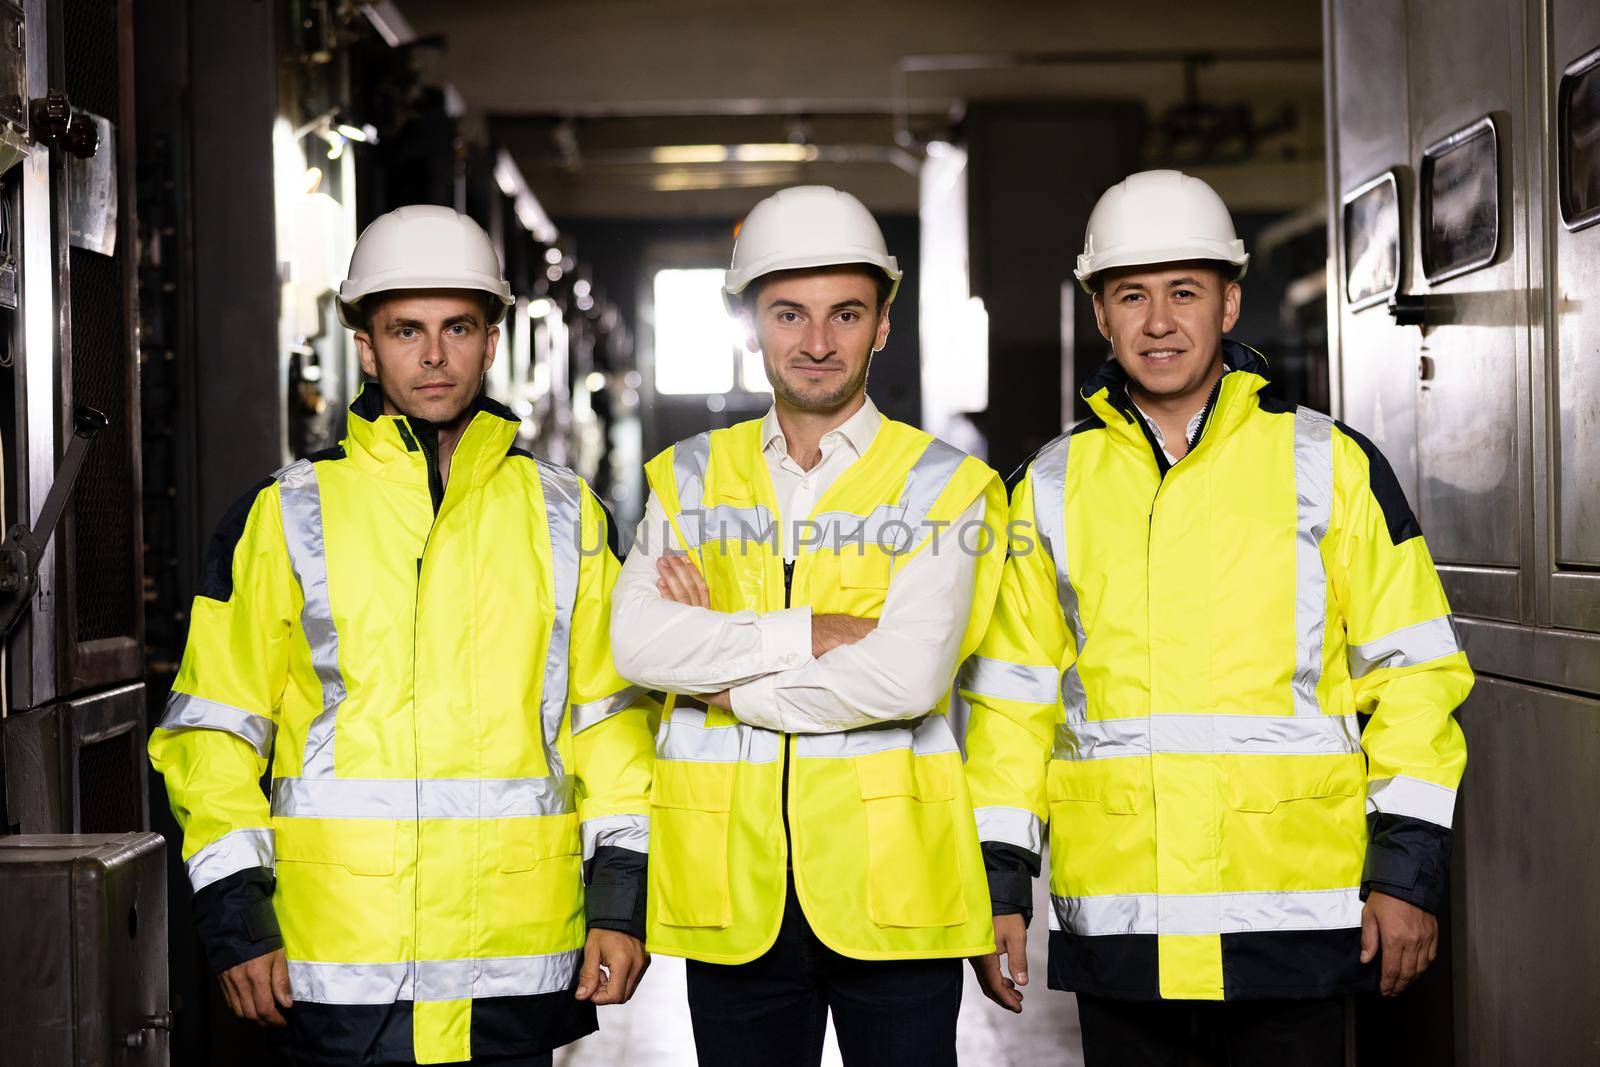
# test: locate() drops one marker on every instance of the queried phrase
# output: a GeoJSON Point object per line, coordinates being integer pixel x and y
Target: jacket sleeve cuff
{"type": "Point", "coordinates": [755, 703]}
{"type": "Point", "coordinates": [235, 920]}
{"type": "Point", "coordinates": [1011, 872]}
{"type": "Point", "coordinates": [614, 895]}
{"type": "Point", "coordinates": [786, 637]}
{"type": "Point", "coordinates": [1408, 859]}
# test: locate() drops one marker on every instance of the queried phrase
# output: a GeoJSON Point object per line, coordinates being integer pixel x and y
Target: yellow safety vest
{"type": "Point", "coordinates": [1174, 680]}
{"type": "Point", "coordinates": [884, 848]}
{"type": "Point", "coordinates": [429, 677]}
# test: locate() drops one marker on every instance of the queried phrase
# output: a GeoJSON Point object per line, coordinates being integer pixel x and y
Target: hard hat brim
{"type": "Point", "coordinates": [1232, 254]}
{"type": "Point", "coordinates": [351, 295]}
{"type": "Point", "coordinates": [735, 282]}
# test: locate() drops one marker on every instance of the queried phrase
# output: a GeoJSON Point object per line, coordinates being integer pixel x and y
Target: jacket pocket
{"type": "Point", "coordinates": [913, 867]}
{"type": "Point", "coordinates": [359, 846]}
{"type": "Point", "coordinates": [526, 843]}
{"type": "Point", "coordinates": [867, 568]}
{"type": "Point", "coordinates": [689, 828]}
{"type": "Point", "coordinates": [1263, 783]}
{"type": "Point", "coordinates": [340, 893]}
{"type": "Point", "coordinates": [1118, 786]}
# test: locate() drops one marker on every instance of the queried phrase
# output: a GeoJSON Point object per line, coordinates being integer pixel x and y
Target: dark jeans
{"type": "Point", "coordinates": [1191, 1033]}
{"type": "Point", "coordinates": [773, 1011]}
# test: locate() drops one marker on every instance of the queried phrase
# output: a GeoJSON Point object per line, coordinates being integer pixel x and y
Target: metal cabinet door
{"type": "Point", "coordinates": [1376, 360]}
{"type": "Point", "coordinates": [1571, 362]}
{"type": "Point", "coordinates": [1465, 63]}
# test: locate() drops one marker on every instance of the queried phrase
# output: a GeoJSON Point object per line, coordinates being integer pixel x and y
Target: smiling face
{"type": "Point", "coordinates": [817, 331]}
{"type": "Point", "coordinates": [1165, 325]}
{"type": "Point", "coordinates": [428, 350]}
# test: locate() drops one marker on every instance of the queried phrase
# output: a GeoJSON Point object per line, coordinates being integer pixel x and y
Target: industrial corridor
{"type": "Point", "coordinates": [735, 533]}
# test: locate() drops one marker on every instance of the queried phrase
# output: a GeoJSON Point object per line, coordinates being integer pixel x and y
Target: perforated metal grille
{"type": "Point", "coordinates": [90, 36]}
{"type": "Point", "coordinates": [104, 500]}
{"type": "Point", "coordinates": [102, 509]}
{"type": "Point", "coordinates": [108, 788]}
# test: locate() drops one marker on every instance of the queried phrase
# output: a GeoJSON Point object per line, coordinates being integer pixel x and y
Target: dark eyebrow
{"type": "Point", "coordinates": [1128, 283]}
{"type": "Point", "coordinates": [1193, 283]}
{"type": "Point", "coordinates": [782, 303]}
{"type": "Point", "coordinates": [851, 303]}
{"type": "Point", "coordinates": [417, 324]}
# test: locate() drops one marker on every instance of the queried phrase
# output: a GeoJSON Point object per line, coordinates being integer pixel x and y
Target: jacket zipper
{"type": "Point", "coordinates": [788, 739]}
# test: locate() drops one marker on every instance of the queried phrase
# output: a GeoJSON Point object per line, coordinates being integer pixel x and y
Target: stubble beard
{"type": "Point", "coordinates": [816, 404]}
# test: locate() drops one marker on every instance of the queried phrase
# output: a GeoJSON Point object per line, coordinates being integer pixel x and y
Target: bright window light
{"type": "Point", "coordinates": [752, 371]}
{"type": "Point", "coordinates": [695, 338]}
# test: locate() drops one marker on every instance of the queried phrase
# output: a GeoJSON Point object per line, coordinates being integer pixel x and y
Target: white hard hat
{"type": "Point", "coordinates": [1158, 216]}
{"type": "Point", "coordinates": [422, 246]}
{"type": "Point", "coordinates": [806, 226]}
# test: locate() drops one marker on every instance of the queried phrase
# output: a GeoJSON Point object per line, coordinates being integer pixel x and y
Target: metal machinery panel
{"type": "Point", "coordinates": [83, 932]}
{"type": "Point", "coordinates": [1378, 360]}
{"type": "Point", "coordinates": [1504, 383]}
{"type": "Point", "coordinates": [1572, 368]}
{"type": "Point", "coordinates": [1527, 980]}
{"type": "Point", "coordinates": [78, 766]}
{"type": "Point", "coordinates": [101, 616]}
{"type": "Point", "coordinates": [1464, 63]}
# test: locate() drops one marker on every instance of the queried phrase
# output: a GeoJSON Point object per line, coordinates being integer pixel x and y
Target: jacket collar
{"type": "Point", "coordinates": [1244, 375]}
{"type": "Point", "coordinates": [398, 448]}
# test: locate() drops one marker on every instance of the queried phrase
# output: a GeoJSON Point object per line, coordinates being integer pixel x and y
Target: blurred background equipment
{"type": "Point", "coordinates": [1418, 184]}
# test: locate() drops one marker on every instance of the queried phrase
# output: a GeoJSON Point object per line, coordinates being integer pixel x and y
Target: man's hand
{"type": "Point", "coordinates": [1408, 935]}
{"type": "Point", "coordinates": [613, 963]}
{"type": "Point", "coordinates": [828, 632]}
{"type": "Point", "coordinates": [1010, 941]}
{"type": "Point", "coordinates": [257, 988]}
{"type": "Point", "coordinates": [681, 582]}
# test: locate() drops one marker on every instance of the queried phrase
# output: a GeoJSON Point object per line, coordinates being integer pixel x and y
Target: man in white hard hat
{"type": "Point", "coordinates": [410, 629]}
{"type": "Point", "coordinates": [1214, 586]}
{"type": "Point", "coordinates": [806, 584]}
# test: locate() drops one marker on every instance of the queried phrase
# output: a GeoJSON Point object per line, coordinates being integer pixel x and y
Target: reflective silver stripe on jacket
{"type": "Point", "coordinates": [303, 534]}
{"type": "Point", "coordinates": [615, 831]}
{"type": "Point", "coordinates": [1049, 474]}
{"type": "Point", "coordinates": [700, 525]}
{"type": "Point", "coordinates": [564, 510]}
{"type": "Point", "coordinates": [1313, 487]}
{"type": "Point", "coordinates": [898, 527]}
{"type": "Point", "coordinates": [1415, 798]}
{"type": "Point", "coordinates": [1240, 735]}
{"type": "Point", "coordinates": [587, 715]}
{"type": "Point", "coordinates": [685, 736]}
{"type": "Point", "coordinates": [386, 983]}
{"type": "Point", "coordinates": [925, 736]}
{"type": "Point", "coordinates": [1207, 913]}
{"type": "Point", "coordinates": [1011, 826]}
{"type": "Point", "coordinates": [428, 798]}
{"type": "Point", "coordinates": [927, 480]}
{"type": "Point", "coordinates": [1000, 680]}
{"type": "Point", "coordinates": [727, 523]}
{"type": "Point", "coordinates": [187, 712]}
{"type": "Point", "coordinates": [231, 853]}
{"type": "Point", "coordinates": [1409, 646]}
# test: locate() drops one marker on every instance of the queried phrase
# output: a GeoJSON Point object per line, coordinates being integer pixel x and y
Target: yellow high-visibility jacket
{"type": "Point", "coordinates": [879, 823]}
{"type": "Point", "coordinates": [426, 669]}
{"type": "Point", "coordinates": [1175, 682]}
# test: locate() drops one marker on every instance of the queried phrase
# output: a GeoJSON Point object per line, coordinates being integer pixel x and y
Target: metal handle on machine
{"type": "Point", "coordinates": [54, 123]}
{"type": "Point", "coordinates": [23, 547]}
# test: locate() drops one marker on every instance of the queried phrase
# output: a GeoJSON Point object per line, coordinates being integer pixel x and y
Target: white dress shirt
{"type": "Point", "coordinates": [1161, 438]}
{"type": "Point", "coordinates": [899, 670]}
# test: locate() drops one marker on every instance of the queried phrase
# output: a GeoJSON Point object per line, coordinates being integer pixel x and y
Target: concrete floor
{"type": "Point", "coordinates": [653, 1031]}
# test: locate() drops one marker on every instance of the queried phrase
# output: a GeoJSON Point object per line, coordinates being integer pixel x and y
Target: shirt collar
{"type": "Point", "coordinates": [857, 431]}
